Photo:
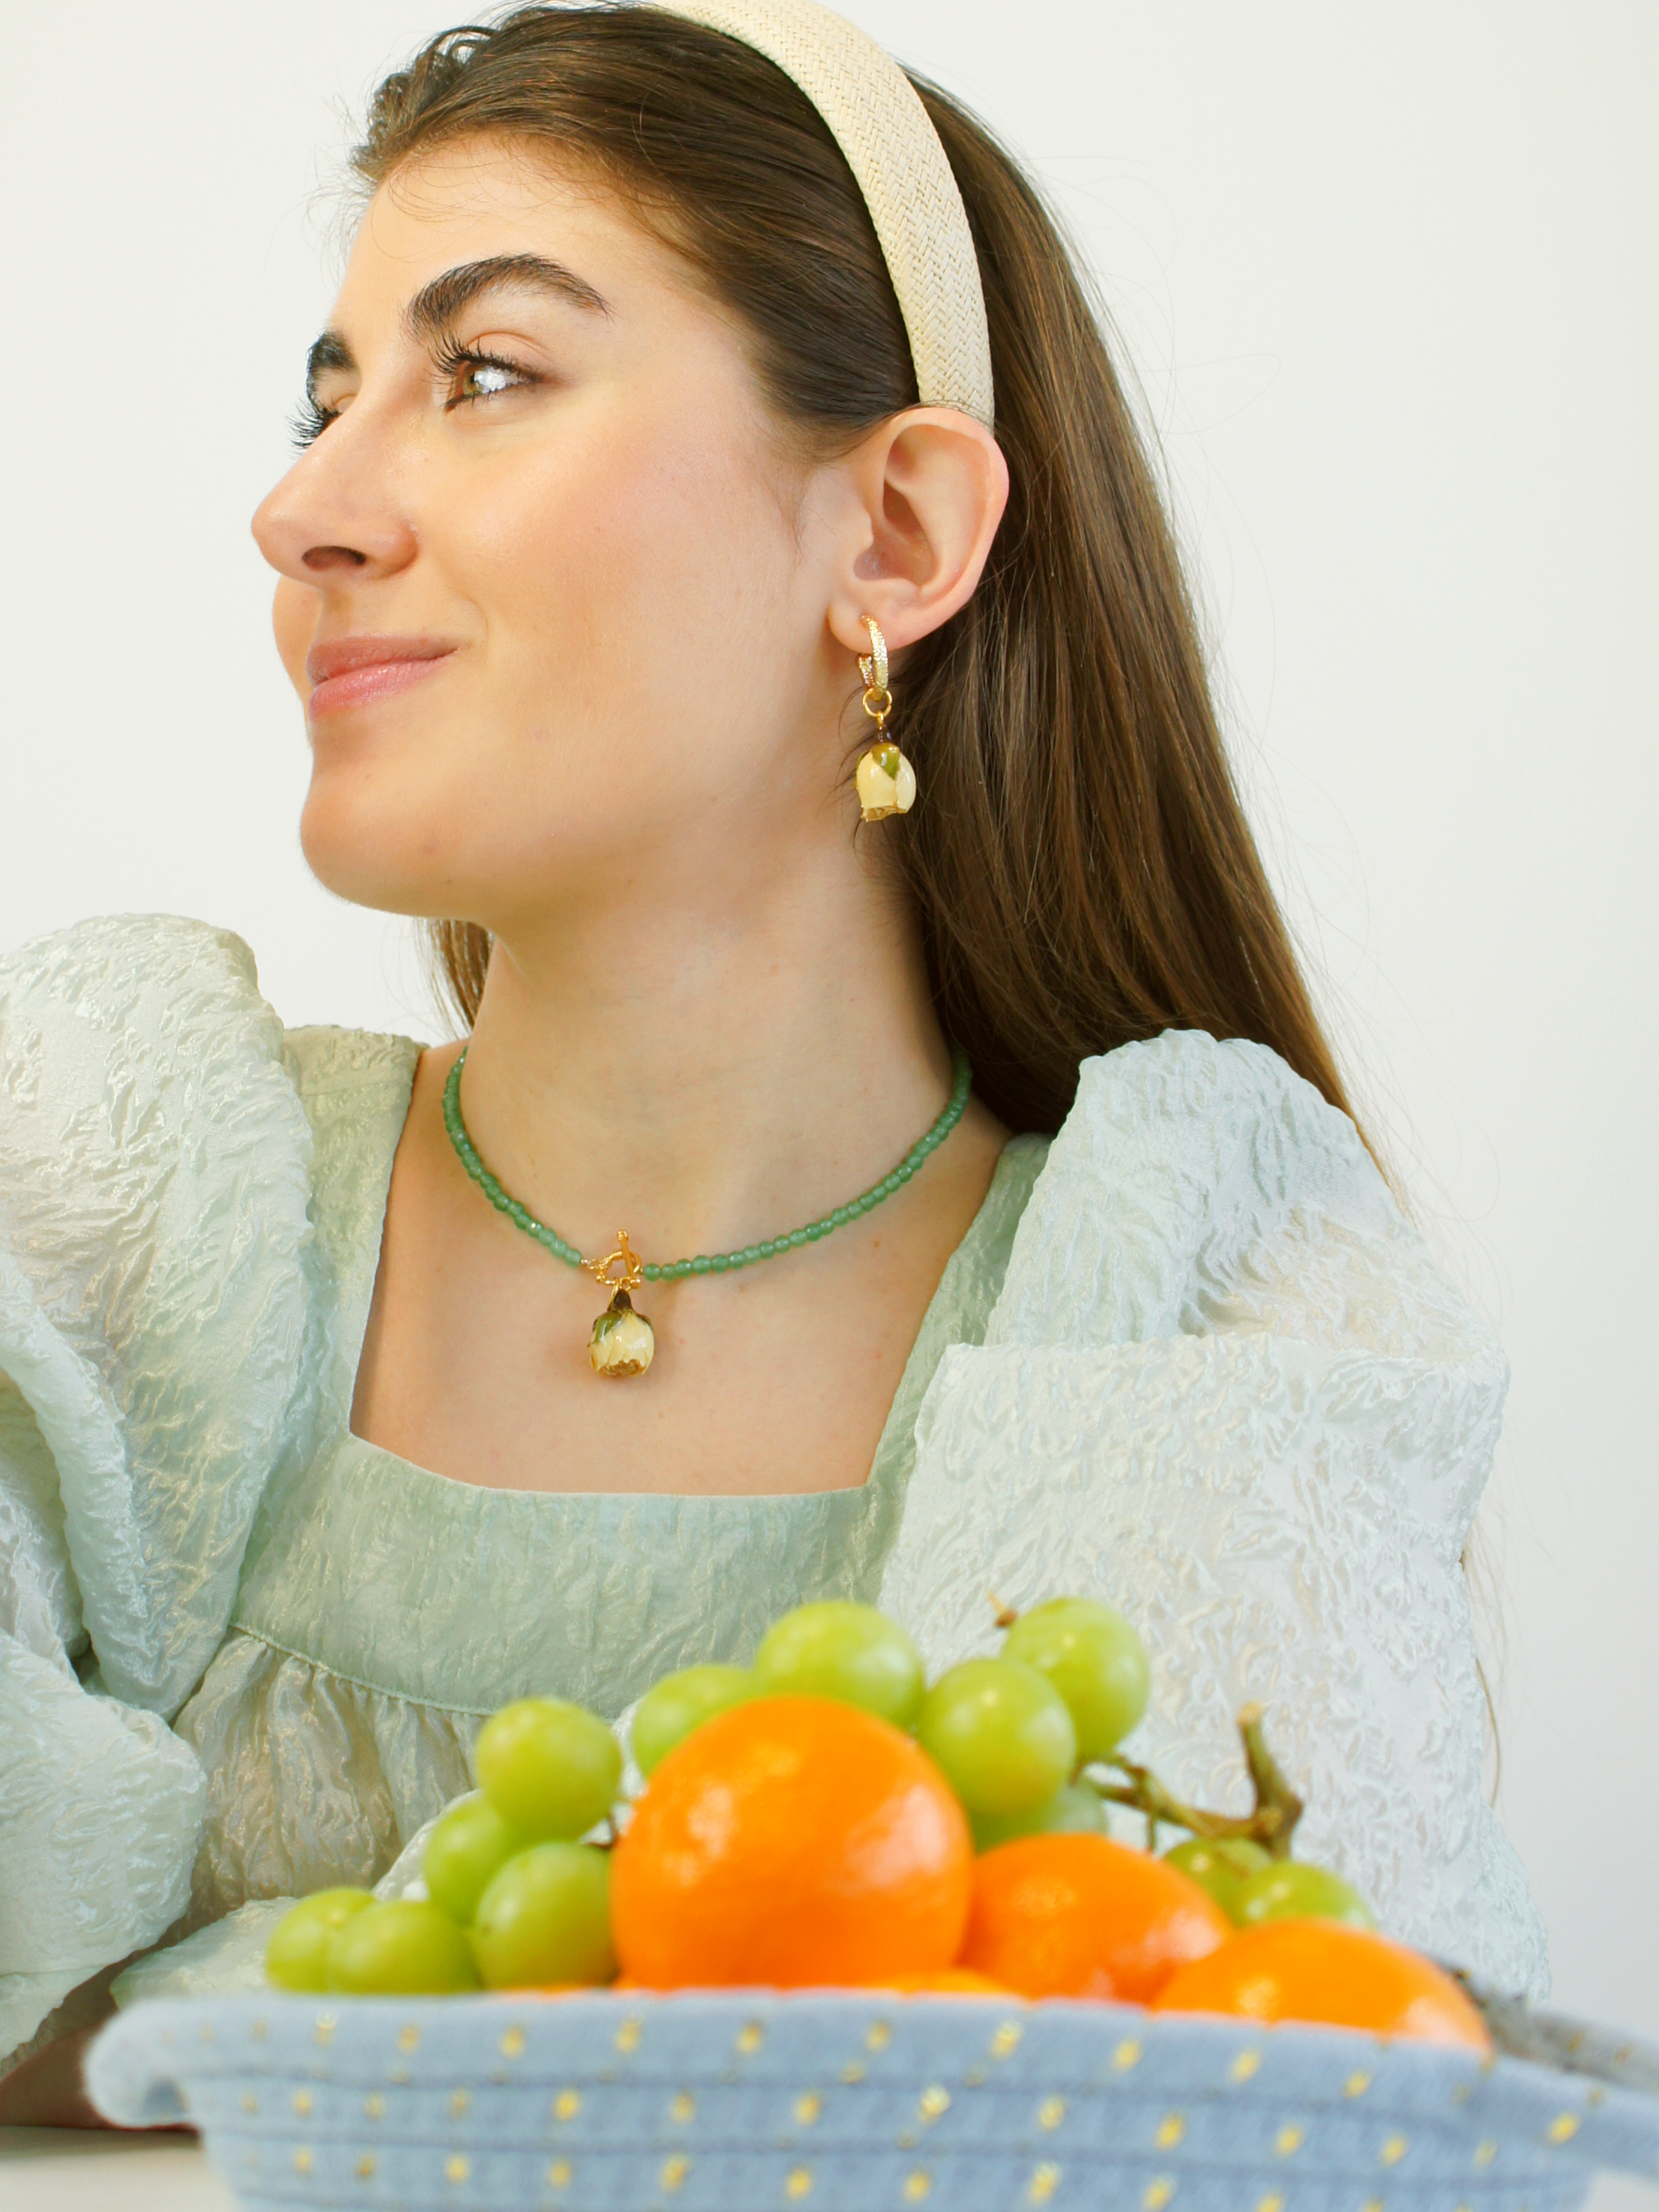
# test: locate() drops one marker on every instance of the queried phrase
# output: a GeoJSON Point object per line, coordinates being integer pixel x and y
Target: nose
{"type": "Point", "coordinates": [335, 516]}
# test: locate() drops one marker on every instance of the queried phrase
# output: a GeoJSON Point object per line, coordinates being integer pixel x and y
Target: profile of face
{"type": "Point", "coordinates": [546, 468]}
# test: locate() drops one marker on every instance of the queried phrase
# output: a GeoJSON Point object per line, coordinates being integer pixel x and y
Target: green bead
{"type": "Point", "coordinates": [813, 1231]}
{"type": "Point", "coordinates": [720, 1263]}
{"type": "Point", "coordinates": [652, 1272]}
{"type": "Point", "coordinates": [797, 1237]}
{"type": "Point", "coordinates": [700, 1265]}
{"type": "Point", "coordinates": [751, 1253]}
{"type": "Point", "coordinates": [839, 1217]}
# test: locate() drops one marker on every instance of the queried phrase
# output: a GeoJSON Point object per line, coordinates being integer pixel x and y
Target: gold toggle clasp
{"type": "Point", "coordinates": [633, 1267]}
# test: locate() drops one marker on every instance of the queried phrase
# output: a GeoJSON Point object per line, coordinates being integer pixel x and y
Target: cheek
{"type": "Point", "coordinates": [628, 593]}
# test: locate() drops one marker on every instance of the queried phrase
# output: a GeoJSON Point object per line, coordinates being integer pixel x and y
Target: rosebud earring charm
{"type": "Point", "coordinates": [887, 783]}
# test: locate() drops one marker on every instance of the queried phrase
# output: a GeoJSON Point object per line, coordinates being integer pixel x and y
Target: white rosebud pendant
{"type": "Point", "coordinates": [622, 1342]}
{"type": "Point", "coordinates": [887, 783]}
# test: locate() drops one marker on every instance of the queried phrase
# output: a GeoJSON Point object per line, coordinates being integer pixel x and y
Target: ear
{"type": "Point", "coordinates": [924, 496]}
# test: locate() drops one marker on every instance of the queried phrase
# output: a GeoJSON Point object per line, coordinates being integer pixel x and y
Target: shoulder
{"type": "Point", "coordinates": [1200, 1185]}
{"type": "Point", "coordinates": [156, 1252]}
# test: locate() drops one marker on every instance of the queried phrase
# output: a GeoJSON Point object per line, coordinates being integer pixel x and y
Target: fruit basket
{"type": "Point", "coordinates": [849, 2101]}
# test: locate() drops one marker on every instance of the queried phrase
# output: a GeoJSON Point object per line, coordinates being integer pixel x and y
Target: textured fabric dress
{"type": "Point", "coordinates": [1190, 1357]}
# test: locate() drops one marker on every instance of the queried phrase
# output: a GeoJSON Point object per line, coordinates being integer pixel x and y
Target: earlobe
{"type": "Point", "coordinates": [931, 486]}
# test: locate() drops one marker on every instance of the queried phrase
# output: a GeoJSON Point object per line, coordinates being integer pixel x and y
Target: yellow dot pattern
{"type": "Point", "coordinates": [1357, 2083]}
{"type": "Point", "coordinates": [459, 2101]}
{"type": "Point", "coordinates": [933, 2101]}
{"type": "Point", "coordinates": [1248, 2063]}
{"type": "Point", "coordinates": [627, 2038]}
{"type": "Point", "coordinates": [1485, 2152]}
{"type": "Point", "coordinates": [302, 2103]}
{"type": "Point", "coordinates": [1171, 2130]}
{"type": "Point", "coordinates": [567, 2105]}
{"type": "Point", "coordinates": [808, 2110]}
{"type": "Point", "coordinates": [409, 2038]}
{"type": "Point", "coordinates": [799, 2184]}
{"type": "Point", "coordinates": [558, 2174]}
{"type": "Point", "coordinates": [684, 2108]}
{"type": "Point", "coordinates": [673, 2172]}
{"type": "Point", "coordinates": [1043, 2185]}
{"type": "Point", "coordinates": [250, 2104]}
{"type": "Point", "coordinates": [512, 2043]}
{"type": "Point", "coordinates": [1006, 2039]}
{"type": "Point", "coordinates": [1289, 2141]}
{"type": "Point", "coordinates": [302, 2160]}
{"type": "Point", "coordinates": [1273, 2201]}
{"type": "Point", "coordinates": [374, 2106]}
{"type": "Point", "coordinates": [457, 2168]}
{"type": "Point", "coordinates": [879, 2037]}
{"type": "Point", "coordinates": [1050, 2113]}
{"type": "Point", "coordinates": [1159, 2193]}
{"type": "Point", "coordinates": [917, 2186]}
{"type": "Point", "coordinates": [1563, 2127]}
{"type": "Point", "coordinates": [1394, 2150]}
{"type": "Point", "coordinates": [1127, 2055]}
{"type": "Point", "coordinates": [364, 2169]}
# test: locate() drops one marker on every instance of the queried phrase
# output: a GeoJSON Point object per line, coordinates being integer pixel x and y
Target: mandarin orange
{"type": "Point", "coordinates": [1081, 1916]}
{"type": "Point", "coordinates": [1325, 1972]}
{"type": "Point", "coordinates": [791, 1843]}
{"type": "Point", "coordinates": [947, 1982]}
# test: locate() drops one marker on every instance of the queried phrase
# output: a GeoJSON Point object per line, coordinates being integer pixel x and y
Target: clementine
{"type": "Point", "coordinates": [947, 1982]}
{"type": "Point", "coordinates": [788, 1842]}
{"type": "Point", "coordinates": [1081, 1916]}
{"type": "Point", "coordinates": [1322, 1972]}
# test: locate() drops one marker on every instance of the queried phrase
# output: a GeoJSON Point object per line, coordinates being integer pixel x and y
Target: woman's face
{"type": "Point", "coordinates": [554, 601]}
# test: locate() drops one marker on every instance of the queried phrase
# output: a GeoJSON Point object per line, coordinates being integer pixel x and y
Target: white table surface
{"type": "Point", "coordinates": [61, 2170]}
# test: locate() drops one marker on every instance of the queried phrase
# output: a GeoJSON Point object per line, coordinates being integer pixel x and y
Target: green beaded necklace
{"type": "Point", "coordinates": [622, 1341]}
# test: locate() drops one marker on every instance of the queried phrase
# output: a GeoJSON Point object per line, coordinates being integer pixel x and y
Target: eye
{"type": "Point", "coordinates": [474, 376]}
{"type": "Point", "coordinates": [309, 421]}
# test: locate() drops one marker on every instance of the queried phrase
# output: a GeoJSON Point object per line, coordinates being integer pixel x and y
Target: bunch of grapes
{"type": "Point", "coordinates": [518, 1877]}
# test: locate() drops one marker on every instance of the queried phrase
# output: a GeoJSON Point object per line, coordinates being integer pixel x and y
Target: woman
{"type": "Point", "coordinates": [689, 364]}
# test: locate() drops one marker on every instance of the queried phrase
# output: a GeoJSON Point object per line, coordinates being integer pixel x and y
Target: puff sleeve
{"type": "Point", "coordinates": [154, 1311]}
{"type": "Point", "coordinates": [1226, 1389]}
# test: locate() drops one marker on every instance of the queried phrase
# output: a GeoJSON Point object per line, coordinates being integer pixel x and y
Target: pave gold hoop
{"type": "Point", "coordinates": [886, 781]}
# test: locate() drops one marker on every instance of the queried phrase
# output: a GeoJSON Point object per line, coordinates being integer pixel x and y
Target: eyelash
{"type": "Point", "coordinates": [311, 421]}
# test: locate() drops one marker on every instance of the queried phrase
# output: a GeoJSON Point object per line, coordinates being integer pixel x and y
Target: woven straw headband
{"type": "Point", "coordinates": [877, 120]}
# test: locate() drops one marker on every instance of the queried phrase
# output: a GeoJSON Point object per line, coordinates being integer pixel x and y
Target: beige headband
{"type": "Point", "coordinates": [876, 119]}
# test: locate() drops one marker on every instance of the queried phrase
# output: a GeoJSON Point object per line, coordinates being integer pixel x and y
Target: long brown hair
{"type": "Point", "coordinates": [1080, 862]}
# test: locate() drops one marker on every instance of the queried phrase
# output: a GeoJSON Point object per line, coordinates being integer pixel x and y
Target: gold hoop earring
{"type": "Point", "coordinates": [887, 783]}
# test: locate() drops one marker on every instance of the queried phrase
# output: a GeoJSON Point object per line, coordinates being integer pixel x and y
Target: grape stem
{"type": "Point", "coordinates": [1270, 1821]}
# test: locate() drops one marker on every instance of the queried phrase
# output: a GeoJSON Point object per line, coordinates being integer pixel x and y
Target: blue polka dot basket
{"type": "Point", "coordinates": [850, 2102]}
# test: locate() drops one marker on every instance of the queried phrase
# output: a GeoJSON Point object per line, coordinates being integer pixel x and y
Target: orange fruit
{"type": "Point", "coordinates": [948, 1982]}
{"type": "Point", "coordinates": [791, 1843]}
{"type": "Point", "coordinates": [1078, 1916]}
{"type": "Point", "coordinates": [1325, 1972]}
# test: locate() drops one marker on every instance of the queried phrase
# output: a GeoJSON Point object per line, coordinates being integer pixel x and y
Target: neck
{"type": "Point", "coordinates": [706, 1065]}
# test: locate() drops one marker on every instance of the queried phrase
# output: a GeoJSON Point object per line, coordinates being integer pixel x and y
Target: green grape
{"type": "Point", "coordinates": [1288, 1890]}
{"type": "Point", "coordinates": [1072, 1810]}
{"type": "Point", "coordinates": [846, 1651]}
{"type": "Point", "coordinates": [406, 1948]}
{"type": "Point", "coordinates": [667, 1713]}
{"type": "Point", "coordinates": [1096, 1660]}
{"type": "Point", "coordinates": [1002, 1734]}
{"type": "Point", "coordinates": [545, 1920]}
{"type": "Point", "coordinates": [296, 1957]}
{"type": "Point", "coordinates": [463, 1853]}
{"type": "Point", "coordinates": [1222, 1869]}
{"type": "Point", "coordinates": [550, 1770]}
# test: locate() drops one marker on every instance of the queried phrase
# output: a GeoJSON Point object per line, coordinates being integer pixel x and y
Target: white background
{"type": "Point", "coordinates": [1386, 276]}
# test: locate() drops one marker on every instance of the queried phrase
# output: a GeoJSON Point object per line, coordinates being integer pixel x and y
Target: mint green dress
{"type": "Point", "coordinates": [385, 1611]}
{"type": "Point", "coordinates": [1190, 1358]}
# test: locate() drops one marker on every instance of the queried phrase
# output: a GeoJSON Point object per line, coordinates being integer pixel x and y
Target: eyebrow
{"type": "Point", "coordinates": [435, 307]}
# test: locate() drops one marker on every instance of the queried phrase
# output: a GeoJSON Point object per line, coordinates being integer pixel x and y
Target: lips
{"type": "Point", "coordinates": [352, 672]}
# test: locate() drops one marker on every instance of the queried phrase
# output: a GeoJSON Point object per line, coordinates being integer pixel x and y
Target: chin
{"type": "Point", "coordinates": [367, 855]}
